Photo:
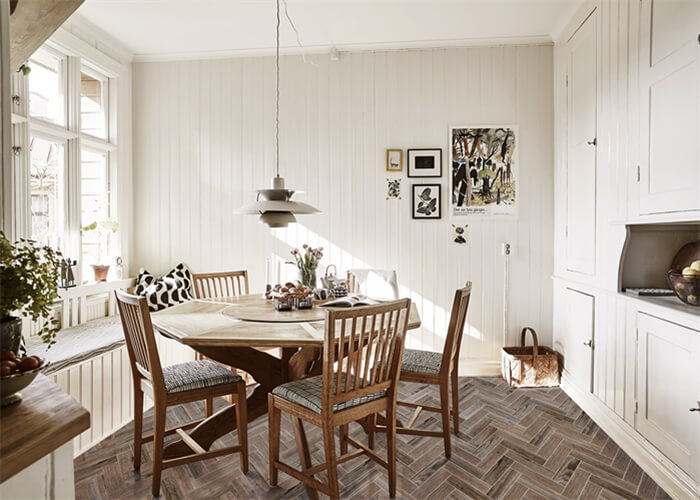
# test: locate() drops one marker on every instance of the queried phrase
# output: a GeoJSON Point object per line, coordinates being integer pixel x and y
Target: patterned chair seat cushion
{"type": "Point", "coordinates": [307, 392]}
{"type": "Point", "coordinates": [197, 375]}
{"type": "Point", "coordinates": [416, 361]}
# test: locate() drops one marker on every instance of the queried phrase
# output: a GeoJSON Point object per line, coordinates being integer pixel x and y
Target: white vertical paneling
{"type": "Point", "coordinates": [203, 140]}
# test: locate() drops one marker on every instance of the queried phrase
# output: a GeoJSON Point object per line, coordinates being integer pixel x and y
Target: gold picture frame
{"type": "Point", "coordinates": [391, 160]}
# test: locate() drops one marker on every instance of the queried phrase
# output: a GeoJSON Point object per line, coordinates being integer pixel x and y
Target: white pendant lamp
{"type": "Point", "coordinates": [274, 205]}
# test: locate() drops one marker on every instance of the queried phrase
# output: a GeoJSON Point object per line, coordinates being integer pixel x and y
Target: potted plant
{"type": "Point", "coordinates": [103, 229]}
{"type": "Point", "coordinates": [307, 262]}
{"type": "Point", "coordinates": [29, 273]}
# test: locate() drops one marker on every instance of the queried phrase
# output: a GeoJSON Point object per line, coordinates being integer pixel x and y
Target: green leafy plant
{"type": "Point", "coordinates": [103, 228]}
{"type": "Point", "coordinates": [29, 275]}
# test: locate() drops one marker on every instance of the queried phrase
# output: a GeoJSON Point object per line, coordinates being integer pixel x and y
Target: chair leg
{"type": "Point", "coordinates": [455, 400]}
{"type": "Point", "coordinates": [445, 405]}
{"type": "Point", "coordinates": [158, 437]}
{"type": "Point", "coordinates": [274, 417]}
{"type": "Point", "coordinates": [138, 426]}
{"type": "Point", "coordinates": [329, 443]}
{"type": "Point", "coordinates": [209, 407]}
{"type": "Point", "coordinates": [343, 431]}
{"type": "Point", "coordinates": [242, 424]}
{"type": "Point", "coordinates": [391, 449]}
{"type": "Point", "coordinates": [371, 430]}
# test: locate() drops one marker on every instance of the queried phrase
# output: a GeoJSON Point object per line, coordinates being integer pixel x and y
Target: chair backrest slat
{"type": "Point", "coordinates": [140, 340]}
{"type": "Point", "coordinates": [455, 330]}
{"type": "Point", "coordinates": [224, 284]}
{"type": "Point", "coordinates": [363, 347]}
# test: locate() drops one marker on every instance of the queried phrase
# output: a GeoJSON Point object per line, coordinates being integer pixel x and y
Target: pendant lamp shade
{"type": "Point", "coordinates": [274, 205]}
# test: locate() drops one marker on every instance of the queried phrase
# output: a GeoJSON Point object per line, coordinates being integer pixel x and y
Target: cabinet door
{"type": "Point", "coordinates": [581, 149]}
{"type": "Point", "coordinates": [668, 370]}
{"type": "Point", "coordinates": [579, 344]}
{"type": "Point", "coordinates": [669, 66]}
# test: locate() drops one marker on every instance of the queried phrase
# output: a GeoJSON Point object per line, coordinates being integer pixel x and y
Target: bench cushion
{"type": "Point", "coordinates": [78, 343]}
{"type": "Point", "coordinates": [307, 393]}
{"type": "Point", "coordinates": [197, 375]}
{"type": "Point", "coordinates": [416, 361]}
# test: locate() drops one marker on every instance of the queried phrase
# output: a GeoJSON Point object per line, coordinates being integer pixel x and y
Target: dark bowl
{"type": "Point", "coordinates": [686, 288]}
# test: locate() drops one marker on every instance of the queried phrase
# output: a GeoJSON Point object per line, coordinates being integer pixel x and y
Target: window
{"type": "Point", "coordinates": [72, 154]}
{"type": "Point", "coordinates": [47, 191]}
{"type": "Point", "coordinates": [46, 87]}
{"type": "Point", "coordinates": [97, 226]}
{"type": "Point", "coordinates": [93, 103]}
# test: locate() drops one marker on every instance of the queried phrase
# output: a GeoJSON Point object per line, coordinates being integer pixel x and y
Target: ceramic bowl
{"type": "Point", "coordinates": [10, 385]}
{"type": "Point", "coordinates": [686, 288]}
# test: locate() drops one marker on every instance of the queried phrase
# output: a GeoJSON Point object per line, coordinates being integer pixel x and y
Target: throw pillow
{"type": "Point", "coordinates": [168, 290]}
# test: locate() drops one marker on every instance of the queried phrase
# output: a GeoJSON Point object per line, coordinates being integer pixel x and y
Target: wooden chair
{"type": "Point", "coordinates": [386, 285]}
{"type": "Point", "coordinates": [224, 284]}
{"type": "Point", "coordinates": [370, 357]}
{"type": "Point", "coordinates": [427, 367]}
{"type": "Point", "coordinates": [172, 385]}
{"type": "Point", "coordinates": [218, 285]}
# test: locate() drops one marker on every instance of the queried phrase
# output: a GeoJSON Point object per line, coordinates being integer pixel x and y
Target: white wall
{"type": "Point", "coordinates": [203, 140]}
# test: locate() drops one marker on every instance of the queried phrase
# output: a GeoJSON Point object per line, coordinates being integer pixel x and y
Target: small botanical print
{"type": "Point", "coordinates": [426, 201]}
{"type": "Point", "coordinates": [393, 190]}
{"type": "Point", "coordinates": [394, 160]}
{"type": "Point", "coordinates": [460, 234]}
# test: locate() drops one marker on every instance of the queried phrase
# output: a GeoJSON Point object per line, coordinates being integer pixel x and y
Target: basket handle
{"type": "Point", "coordinates": [534, 342]}
{"type": "Point", "coordinates": [328, 268]}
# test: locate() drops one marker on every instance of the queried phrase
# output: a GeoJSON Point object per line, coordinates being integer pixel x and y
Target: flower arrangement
{"type": "Point", "coordinates": [29, 275]}
{"type": "Point", "coordinates": [307, 261]}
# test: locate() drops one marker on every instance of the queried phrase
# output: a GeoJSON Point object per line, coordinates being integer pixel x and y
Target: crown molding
{"type": "Point", "coordinates": [350, 47]}
{"type": "Point", "coordinates": [119, 49]}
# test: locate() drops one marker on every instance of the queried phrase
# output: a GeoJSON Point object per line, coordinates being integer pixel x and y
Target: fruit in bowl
{"type": "Point", "coordinates": [685, 283]}
{"type": "Point", "coordinates": [16, 374]}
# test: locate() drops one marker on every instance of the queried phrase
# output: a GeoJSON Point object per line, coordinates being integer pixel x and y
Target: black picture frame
{"type": "Point", "coordinates": [414, 214]}
{"type": "Point", "coordinates": [414, 171]}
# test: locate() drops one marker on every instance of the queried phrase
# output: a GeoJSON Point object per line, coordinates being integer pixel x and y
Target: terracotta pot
{"type": "Point", "coordinates": [100, 272]}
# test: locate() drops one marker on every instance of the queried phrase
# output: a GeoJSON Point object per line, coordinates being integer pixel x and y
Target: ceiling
{"type": "Point", "coordinates": [190, 29]}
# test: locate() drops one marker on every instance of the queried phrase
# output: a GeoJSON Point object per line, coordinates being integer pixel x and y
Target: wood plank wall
{"type": "Point", "coordinates": [203, 140]}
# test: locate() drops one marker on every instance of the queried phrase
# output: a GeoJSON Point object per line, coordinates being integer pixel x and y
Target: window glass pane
{"type": "Point", "coordinates": [47, 191]}
{"type": "Point", "coordinates": [98, 229]}
{"type": "Point", "coordinates": [46, 87]}
{"type": "Point", "coordinates": [93, 103]}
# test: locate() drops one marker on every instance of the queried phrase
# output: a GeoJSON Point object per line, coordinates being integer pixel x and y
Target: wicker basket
{"type": "Point", "coordinates": [535, 366]}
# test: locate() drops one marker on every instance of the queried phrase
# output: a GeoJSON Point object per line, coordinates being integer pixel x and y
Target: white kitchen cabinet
{"type": "Point", "coordinates": [581, 149]}
{"type": "Point", "coordinates": [669, 107]}
{"type": "Point", "coordinates": [668, 386]}
{"type": "Point", "coordinates": [578, 344]}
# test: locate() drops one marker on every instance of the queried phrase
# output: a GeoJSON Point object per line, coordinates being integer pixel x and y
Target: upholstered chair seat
{"type": "Point", "coordinates": [197, 375]}
{"type": "Point", "coordinates": [417, 361]}
{"type": "Point", "coordinates": [308, 392]}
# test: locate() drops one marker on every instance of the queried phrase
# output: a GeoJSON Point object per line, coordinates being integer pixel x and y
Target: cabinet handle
{"type": "Point", "coordinates": [594, 142]}
{"type": "Point", "coordinates": [589, 344]}
{"type": "Point", "coordinates": [695, 409]}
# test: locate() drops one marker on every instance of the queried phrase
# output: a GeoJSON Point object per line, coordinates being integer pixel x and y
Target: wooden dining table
{"type": "Point", "coordinates": [241, 332]}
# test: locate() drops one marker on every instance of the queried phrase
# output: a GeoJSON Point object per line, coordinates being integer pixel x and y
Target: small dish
{"type": "Point", "coordinates": [10, 385]}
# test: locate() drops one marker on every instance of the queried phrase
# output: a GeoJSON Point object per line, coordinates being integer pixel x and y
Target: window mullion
{"type": "Point", "coordinates": [72, 198]}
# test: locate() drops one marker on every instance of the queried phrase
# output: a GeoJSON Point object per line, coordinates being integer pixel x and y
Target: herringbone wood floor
{"type": "Point", "coordinates": [528, 443]}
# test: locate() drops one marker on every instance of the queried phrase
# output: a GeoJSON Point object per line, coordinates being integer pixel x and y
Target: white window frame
{"type": "Point", "coordinates": [77, 56]}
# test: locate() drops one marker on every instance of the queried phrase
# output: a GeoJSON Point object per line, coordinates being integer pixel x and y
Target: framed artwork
{"type": "Point", "coordinates": [394, 160]}
{"type": "Point", "coordinates": [425, 162]}
{"type": "Point", "coordinates": [393, 189]}
{"type": "Point", "coordinates": [483, 164]}
{"type": "Point", "coordinates": [426, 201]}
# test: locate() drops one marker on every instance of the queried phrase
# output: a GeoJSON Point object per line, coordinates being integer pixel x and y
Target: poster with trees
{"type": "Point", "coordinates": [484, 165]}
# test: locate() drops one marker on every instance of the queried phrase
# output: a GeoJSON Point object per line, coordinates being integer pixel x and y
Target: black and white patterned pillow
{"type": "Point", "coordinates": [168, 290]}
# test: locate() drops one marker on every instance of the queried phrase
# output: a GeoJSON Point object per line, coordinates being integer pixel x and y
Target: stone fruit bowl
{"type": "Point", "coordinates": [10, 385]}
{"type": "Point", "coordinates": [686, 287]}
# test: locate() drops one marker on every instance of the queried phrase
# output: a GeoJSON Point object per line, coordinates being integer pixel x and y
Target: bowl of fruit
{"type": "Point", "coordinates": [685, 283]}
{"type": "Point", "coordinates": [16, 374]}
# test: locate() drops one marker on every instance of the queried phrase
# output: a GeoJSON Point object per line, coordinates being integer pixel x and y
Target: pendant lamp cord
{"type": "Point", "coordinates": [277, 105]}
